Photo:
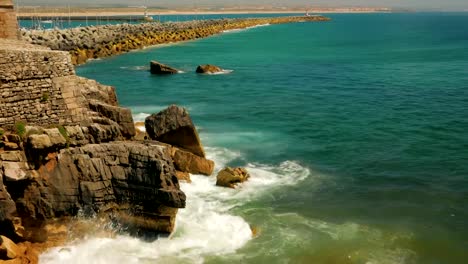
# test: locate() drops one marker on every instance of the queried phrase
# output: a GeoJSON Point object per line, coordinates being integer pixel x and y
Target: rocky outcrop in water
{"type": "Point", "coordinates": [159, 68]}
{"type": "Point", "coordinates": [175, 127]}
{"type": "Point", "coordinates": [208, 69]}
{"type": "Point", "coordinates": [230, 177]}
{"type": "Point", "coordinates": [107, 40]}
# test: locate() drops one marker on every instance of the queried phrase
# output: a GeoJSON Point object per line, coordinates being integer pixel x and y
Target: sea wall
{"type": "Point", "coordinates": [102, 41]}
{"type": "Point", "coordinates": [8, 22]}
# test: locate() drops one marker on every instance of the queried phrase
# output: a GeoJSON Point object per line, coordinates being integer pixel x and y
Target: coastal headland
{"type": "Point", "coordinates": [102, 41]}
{"type": "Point", "coordinates": [69, 152]}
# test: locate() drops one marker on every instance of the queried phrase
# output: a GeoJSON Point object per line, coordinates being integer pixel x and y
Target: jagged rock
{"type": "Point", "coordinates": [122, 116]}
{"type": "Point", "coordinates": [76, 136]}
{"type": "Point", "coordinates": [229, 177]}
{"type": "Point", "coordinates": [183, 176]}
{"type": "Point", "coordinates": [11, 146]}
{"type": "Point", "coordinates": [39, 141]}
{"type": "Point", "coordinates": [185, 161]}
{"type": "Point", "coordinates": [174, 126]}
{"type": "Point", "coordinates": [132, 178]}
{"type": "Point", "coordinates": [159, 68]}
{"type": "Point", "coordinates": [56, 138]}
{"type": "Point", "coordinates": [208, 68]}
{"type": "Point", "coordinates": [8, 249]}
{"type": "Point", "coordinates": [7, 210]}
{"type": "Point", "coordinates": [14, 156]}
{"type": "Point", "coordinates": [15, 171]}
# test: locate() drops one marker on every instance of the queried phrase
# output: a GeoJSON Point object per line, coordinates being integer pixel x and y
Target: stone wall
{"type": "Point", "coordinates": [8, 22]}
{"type": "Point", "coordinates": [38, 86]}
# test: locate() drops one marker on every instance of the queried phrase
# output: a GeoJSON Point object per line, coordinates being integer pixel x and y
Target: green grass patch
{"type": "Point", "coordinates": [20, 129]}
{"type": "Point", "coordinates": [45, 97]}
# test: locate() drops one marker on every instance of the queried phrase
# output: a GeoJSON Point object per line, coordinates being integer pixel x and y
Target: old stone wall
{"type": "Point", "coordinates": [39, 87]}
{"type": "Point", "coordinates": [8, 22]}
{"type": "Point", "coordinates": [27, 90]}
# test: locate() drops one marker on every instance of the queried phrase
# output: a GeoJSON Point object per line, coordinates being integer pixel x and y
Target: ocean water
{"type": "Point", "coordinates": [354, 132]}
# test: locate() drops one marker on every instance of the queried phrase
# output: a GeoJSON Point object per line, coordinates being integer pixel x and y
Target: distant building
{"type": "Point", "coordinates": [8, 22]}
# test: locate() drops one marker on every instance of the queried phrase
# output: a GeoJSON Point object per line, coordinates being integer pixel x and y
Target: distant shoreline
{"type": "Point", "coordinates": [132, 12]}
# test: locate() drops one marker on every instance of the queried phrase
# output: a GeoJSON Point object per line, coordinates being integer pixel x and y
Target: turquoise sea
{"type": "Point", "coordinates": [354, 132]}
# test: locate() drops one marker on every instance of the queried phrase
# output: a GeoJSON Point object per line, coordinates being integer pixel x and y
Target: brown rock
{"type": "Point", "coordinates": [11, 146]}
{"type": "Point", "coordinates": [39, 141]}
{"type": "Point", "coordinates": [122, 116]}
{"type": "Point", "coordinates": [183, 176]}
{"type": "Point", "coordinates": [159, 68]}
{"type": "Point", "coordinates": [8, 249]}
{"type": "Point", "coordinates": [208, 68]}
{"type": "Point", "coordinates": [174, 126]}
{"type": "Point", "coordinates": [188, 162]}
{"type": "Point", "coordinates": [229, 177]}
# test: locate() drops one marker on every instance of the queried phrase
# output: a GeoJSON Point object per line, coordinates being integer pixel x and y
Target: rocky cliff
{"type": "Point", "coordinates": [67, 148]}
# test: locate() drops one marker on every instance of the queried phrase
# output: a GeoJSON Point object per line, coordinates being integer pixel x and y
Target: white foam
{"type": "Point", "coordinates": [140, 117]}
{"type": "Point", "coordinates": [242, 29]}
{"type": "Point", "coordinates": [141, 128]}
{"type": "Point", "coordinates": [220, 72]}
{"type": "Point", "coordinates": [205, 227]}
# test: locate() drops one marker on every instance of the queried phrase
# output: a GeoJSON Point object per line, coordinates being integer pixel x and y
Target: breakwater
{"type": "Point", "coordinates": [103, 41]}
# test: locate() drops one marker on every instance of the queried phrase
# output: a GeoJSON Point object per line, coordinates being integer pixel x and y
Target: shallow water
{"type": "Point", "coordinates": [354, 132]}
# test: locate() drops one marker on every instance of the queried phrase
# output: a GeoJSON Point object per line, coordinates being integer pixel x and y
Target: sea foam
{"type": "Point", "coordinates": [205, 227]}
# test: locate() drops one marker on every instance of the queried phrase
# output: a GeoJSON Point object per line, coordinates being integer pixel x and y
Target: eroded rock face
{"type": "Point", "coordinates": [208, 68]}
{"type": "Point", "coordinates": [131, 180]}
{"type": "Point", "coordinates": [159, 68]}
{"type": "Point", "coordinates": [175, 127]}
{"type": "Point", "coordinates": [185, 161]}
{"type": "Point", "coordinates": [230, 177]}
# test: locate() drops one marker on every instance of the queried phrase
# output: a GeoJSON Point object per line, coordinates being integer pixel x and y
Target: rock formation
{"type": "Point", "coordinates": [230, 177]}
{"type": "Point", "coordinates": [67, 148]}
{"type": "Point", "coordinates": [159, 68]}
{"type": "Point", "coordinates": [208, 68]}
{"type": "Point", "coordinates": [175, 127]}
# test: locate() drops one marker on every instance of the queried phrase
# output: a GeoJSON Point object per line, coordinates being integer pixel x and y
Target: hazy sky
{"type": "Point", "coordinates": [411, 4]}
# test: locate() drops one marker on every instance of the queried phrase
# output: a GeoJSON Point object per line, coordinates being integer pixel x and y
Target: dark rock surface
{"type": "Point", "coordinates": [131, 179]}
{"type": "Point", "coordinates": [159, 68]}
{"type": "Point", "coordinates": [175, 127]}
{"type": "Point", "coordinates": [208, 68]}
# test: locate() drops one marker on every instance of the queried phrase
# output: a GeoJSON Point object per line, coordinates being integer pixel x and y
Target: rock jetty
{"type": "Point", "coordinates": [107, 40]}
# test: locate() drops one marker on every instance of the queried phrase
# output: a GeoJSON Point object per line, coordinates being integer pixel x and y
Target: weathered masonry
{"type": "Point", "coordinates": [8, 22]}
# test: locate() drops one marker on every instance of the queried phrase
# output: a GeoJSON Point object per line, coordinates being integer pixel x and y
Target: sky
{"type": "Point", "coordinates": [460, 5]}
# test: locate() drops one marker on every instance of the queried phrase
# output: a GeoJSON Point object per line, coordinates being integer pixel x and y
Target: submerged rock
{"type": "Point", "coordinates": [175, 127]}
{"type": "Point", "coordinates": [159, 68]}
{"type": "Point", "coordinates": [229, 177]}
{"type": "Point", "coordinates": [208, 68]}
